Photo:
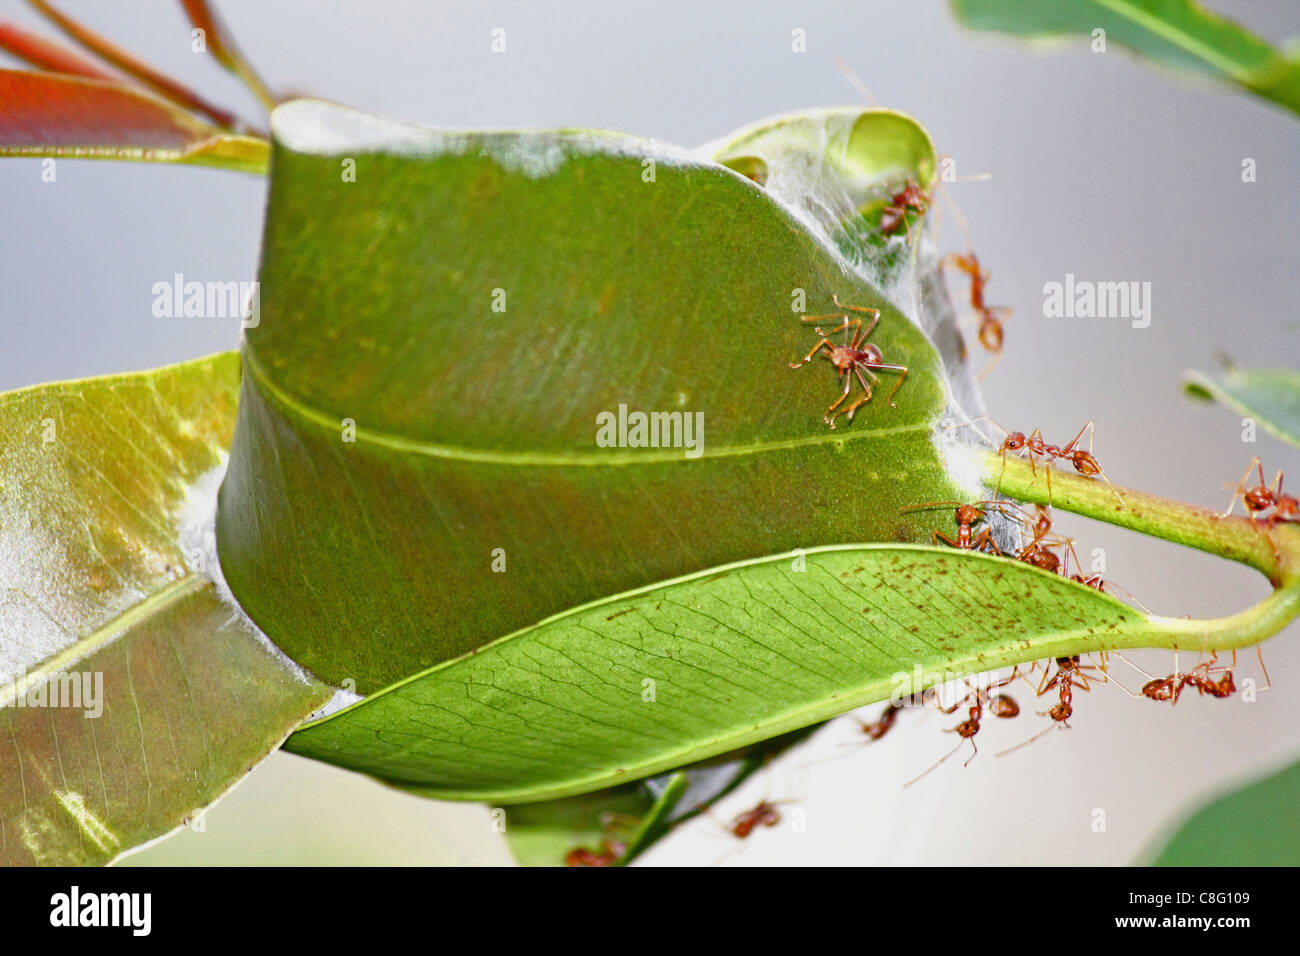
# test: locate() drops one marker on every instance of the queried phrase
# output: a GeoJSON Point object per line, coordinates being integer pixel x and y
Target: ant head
{"type": "Point", "coordinates": [1015, 441]}
{"type": "Point", "coordinates": [1257, 499]}
{"type": "Point", "coordinates": [969, 514]}
{"type": "Point", "coordinates": [1061, 712]}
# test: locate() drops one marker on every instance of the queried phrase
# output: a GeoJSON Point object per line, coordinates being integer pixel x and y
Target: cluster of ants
{"type": "Point", "coordinates": [1266, 505]}
{"type": "Point", "coordinates": [856, 358]}
{"type": "Point", "coordinates": [1063, 675]}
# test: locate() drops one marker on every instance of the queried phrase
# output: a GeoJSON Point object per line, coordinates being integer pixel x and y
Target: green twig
{"type": "Point", "coordinates": [1275, 552]}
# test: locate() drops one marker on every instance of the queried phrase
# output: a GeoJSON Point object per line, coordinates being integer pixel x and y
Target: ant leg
{"type": "Point", "coordinates": [852, 409]}
{"type": "Point", "coordinates": [863, 334]}
{"type": "Point", "coordinates": [1015, 672]}
{"type": "Point", "coordinates": [1113, 490]}
{"type": "Point", "coordinates": [864, 309]}
{"type": "Point", "coordinates": [1268, 682]}
{"type": "Point", "coordinates": [956, 260]}
{"type": "Point", "coordinates": [1044, 685]}
{"type": "Point", "coordinates": [1075, 440]}
{"type": "Point", "coordinates": [892, 368]}
{"type": "Point", "coordinates": [997, 489]}
{"type": "Point", "coordinates": [829, 417]}
{"type": "Point", "coordinates": [975, 751]}
{"type": "Point", "coordinates": [826, 315]}
{"type": "Point", "coordinates": [936, 701]}
{"type": "Point", "coordinates": [937, 536]}
{"type": "Point", "coordinates": [844, 326]}
{"type": "Point", "coordinates": [993, 363]}
{"type": "Point", "coordinates": [864, 399]}
{"type": "Point", "coordinates": [824, 343]}
{"type": "Point", "coordinates": [1112, 680]}
{"type": "Point", "coordinates": [985, 539]}
{"type": "Point", "coordinates": [1241, 485]}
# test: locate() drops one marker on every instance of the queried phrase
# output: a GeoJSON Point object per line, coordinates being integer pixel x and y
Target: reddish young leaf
{"type": "Point", "coordinates": [48, 114]}
{"type": "Point", "coordinates": [46, 54]}
{"type": "Point", "coordinates": [164, 85]}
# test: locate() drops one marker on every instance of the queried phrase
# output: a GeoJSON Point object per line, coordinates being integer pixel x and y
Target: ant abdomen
{"type": "Point", "coordinates": [1003, 706]}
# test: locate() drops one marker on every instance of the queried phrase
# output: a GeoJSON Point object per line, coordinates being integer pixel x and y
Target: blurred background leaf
{"type": "Point", "coordinates": [1256, 825]}
{"type": "Point", "coordinates": [1270, 396]}
{"type": "Point", "coordinates": [1180, 34]}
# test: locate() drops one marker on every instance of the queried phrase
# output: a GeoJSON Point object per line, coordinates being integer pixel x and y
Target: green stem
{"type": "Point", "coordinates": [1275, 552]}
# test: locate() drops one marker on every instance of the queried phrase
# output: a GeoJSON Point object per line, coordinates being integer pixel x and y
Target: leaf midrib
{"type": "Point", "coordinates": [605, 457]}
{"type": "Point", "coordinates": [102, 636]}
{"type": "Point", "coordinates": [1179, 38]}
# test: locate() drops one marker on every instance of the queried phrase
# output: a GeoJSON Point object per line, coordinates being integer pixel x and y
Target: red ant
{"type": "Point", "coordinates": [999, 705]}
{"type": "Point", "coordinates": [895, 213]}
{"type": "Point", "coordinates": [1069, 675]}
{"type": "Point", "coordinates": [882, 726]}
{"type": "Point", "coordinates": [610, 849]}
{"type": "Point", "coordinates": [1035, 447]}
{"type": "Point", "coordinates": [967, 516]}
{"type": "Point", "coordinates": [607, 855]}
{"type": "Point", "coordinates": [856, 357]}
{"type": "Point", "coordinates": [1038, 552]}
{"type": "Point", "coordinates": [1261, 497]}
{"type": "Point", "coordinates": [1169, 689]}
{"type": "Point", "coordinates": [990, 317]}
{"type": "Point", "coordinates": [764, 814]}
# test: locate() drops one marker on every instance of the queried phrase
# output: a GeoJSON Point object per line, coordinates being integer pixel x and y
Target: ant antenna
{"type": "Point", "coordinates": [855, 81]}
{"type": "Point", "coordinates": [961, 743]}
{"type": "Point", "coordinates": [974, 421]}
{"type": "Point", "coordinates": [1042, 733]}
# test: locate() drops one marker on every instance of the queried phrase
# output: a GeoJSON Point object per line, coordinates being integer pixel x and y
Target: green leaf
{"type": "Point", "coordinates": [1254, 826]}
{"type": "Point", "coordinates": [1270, 396]}
{"type": "Point", "coordinates": [98, 596]}
{"type": "Point", "coordinates": [47, 114]}
{"type": "Point", "coordinates": [475, 430]}
{"type": "Point", "coordinates": [1176, 33]}
{"type": "Point", "coordinates": [737, 655]}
